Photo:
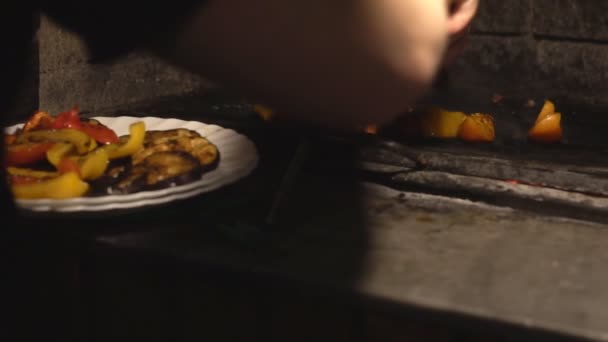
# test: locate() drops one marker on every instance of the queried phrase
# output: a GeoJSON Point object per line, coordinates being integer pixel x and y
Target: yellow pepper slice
{"type": "Point", "coordinates": [440, 123]}
{"type": "Point", "coordinates": [67, 185]}
{"type": "Point", "coordinates": [59, 151]}
{"type": "Point", "coordinates": [93, 165]}
{"type": "Point", "coordinates": [548, 109]}
{"type": "Point", "coordinates": [90, 166]}
{"type": "Point", "coordinates": [478, 127]}
{"type": "Point", "coordinates": [79, 139]}
{"type": "Point", "coordinates": [547, 130]}
{"type": "Point", "coordinates": [18, 171]}
{"type": "Point", "coordinates": [137, 133]}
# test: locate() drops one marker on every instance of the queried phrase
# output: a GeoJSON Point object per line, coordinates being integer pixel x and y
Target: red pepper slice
{"type": "Point", "coordinates": [101, 134]}
{"type": "Point", "coordinates": [68, 165]}
{"type": "Point", "coordinates": [9, 138]}
{"type": "Point", "coordinates": [39, 120]}
{"type": "Point", "coordinates": [15, 179]}
{"type": "Point", "coordinates": [71, 119]}
{"type": "Point", "coordinates": [28, 153]}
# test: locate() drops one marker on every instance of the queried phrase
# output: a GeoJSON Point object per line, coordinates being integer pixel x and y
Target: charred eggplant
{"type": "Point", "coordinates": [182, 140]}
{"type": "Point", "coordinates": [168, 158]}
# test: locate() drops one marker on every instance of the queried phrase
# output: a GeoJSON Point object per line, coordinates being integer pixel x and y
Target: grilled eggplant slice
{"type": "Point", "coordinates": [182, 140]}
{"type": "Point", "coordinates": [168, 158]}
{"type": "Point", "coordinates": [158, 171]}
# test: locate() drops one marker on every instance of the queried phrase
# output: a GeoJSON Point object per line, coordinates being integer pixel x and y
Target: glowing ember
{"type": "Point", "coordinates": [371, 129]}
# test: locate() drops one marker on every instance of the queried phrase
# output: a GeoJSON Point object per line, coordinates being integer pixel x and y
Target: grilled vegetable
{"type": "Point", "coordinates": [548, 109]}
{"type": "Point", "coordinates": [20, 154]}
{"type": "Point", "coordinates": [58, 152]}
{"type": "Point", "coordinates": [158, 170]}
{"type": "Point", "coordinates": [182, 140]}
{"type": "Point", "coordinates": [79, 139]}
{"type": "Point", "coordinates": [39, 120]}
{"type": "Point", "coordinates": [167, 158]}
{"type": "Point", "coordinates": [30, 173]}
{"type": "Point", "coordinates": [64, 186]}
{"type": "Point", "coordinates": [92, 165]}
{"type": "Point", "coordinates": [94, 129]}
{"type": "Point", "coordinates": [440, 123]}
{"type": "Point", "coordinates": [121, 149]}
{"type": "Point", "coordinates": [266, 113]}
{"type": "Point", "coordinates": [477, 128]}
{"type": "Point", "coordinates": [547, 128]}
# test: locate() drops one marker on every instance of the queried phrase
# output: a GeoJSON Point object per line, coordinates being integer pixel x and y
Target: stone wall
{"type": "Point", "coordinates": [538, 48]}
{"type": "Point", "coordinates": [67, 78]}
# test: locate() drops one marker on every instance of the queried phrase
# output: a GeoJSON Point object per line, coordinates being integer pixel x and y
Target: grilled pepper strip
{"type": "Point", "coordinates": [18, 171]}
{"type": "Point", "coordinates": [26, 153]}
{"type": "Point", "coordinates": [137, 133]}
{"type": "Point", "coordinates": [90, 166]}
{"type": "Point", "coordinates": [64, 186]}
{"type": "Point", "coordinates": [56, 153]}
{"type": "Point", "coordinates": [39, 120]}
{"type": "Point", "coordinates": [548, 130]}
{"type": "Point", "coordinates": [9, 138]}
{"type": "Point", "coordinates": [93, 165]}
{"type": "Point", "coordinates": [71, 119]}
{"type": "Point", "coordinates": [440, 123]}
{"type": "Point", "coordinates": [477, 127]}
{"type": "Point", "coordinates": [548, 109]}
{"type": "Point", "coordinates": [81, 140]}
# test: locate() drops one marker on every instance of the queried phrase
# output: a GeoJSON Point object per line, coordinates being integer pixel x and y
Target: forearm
{"type": "Point", "coordinates": [336, 62]}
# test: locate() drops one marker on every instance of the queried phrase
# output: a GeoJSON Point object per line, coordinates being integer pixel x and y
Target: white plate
{"type": "Point", "coordinates": [238, 157]}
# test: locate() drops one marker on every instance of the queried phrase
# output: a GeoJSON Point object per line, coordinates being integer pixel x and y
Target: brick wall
{"type": "Point", "coordinates": [538, 48]}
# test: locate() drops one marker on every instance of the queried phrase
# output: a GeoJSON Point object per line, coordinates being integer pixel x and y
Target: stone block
{"type": "Point", "coordinates": [571, 19]}
{"type": "Point", "coordinates": [498, 16]}
{"type": "Point", "coordinates": [495, 61]}
{"type": "Point", "coordinates": [67, 78]}
{"type": "Point", "coordinates": [134, 79]}
{"type": "Point", "coordinates": [568, 72]}
{"type": "Point", "coordinates": [575, 70]}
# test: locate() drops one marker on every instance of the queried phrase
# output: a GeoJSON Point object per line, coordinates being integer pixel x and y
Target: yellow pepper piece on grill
{"type": "Point", "coordinates": [79, 139]}
{"type": "Point", "coordinates": [478, 127]}
{"type": "Point", "coordinates": [137, 133]}
{"type": "Point", "coordinates": [548, 130]}
{"type": "Point", "coordinates": [67, 185]}
{"type": "Point", "coordinates": [440, 123]}
{"type": "Point", "coordinates": [548, 109]}
{"type": "Point", "coordinates": [264, 112]}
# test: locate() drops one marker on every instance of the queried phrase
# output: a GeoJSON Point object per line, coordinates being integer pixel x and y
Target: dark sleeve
{"type": "Point", "coordinates": [17, 25]}
{"type": "Point", "coordinates": [112, 28]}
